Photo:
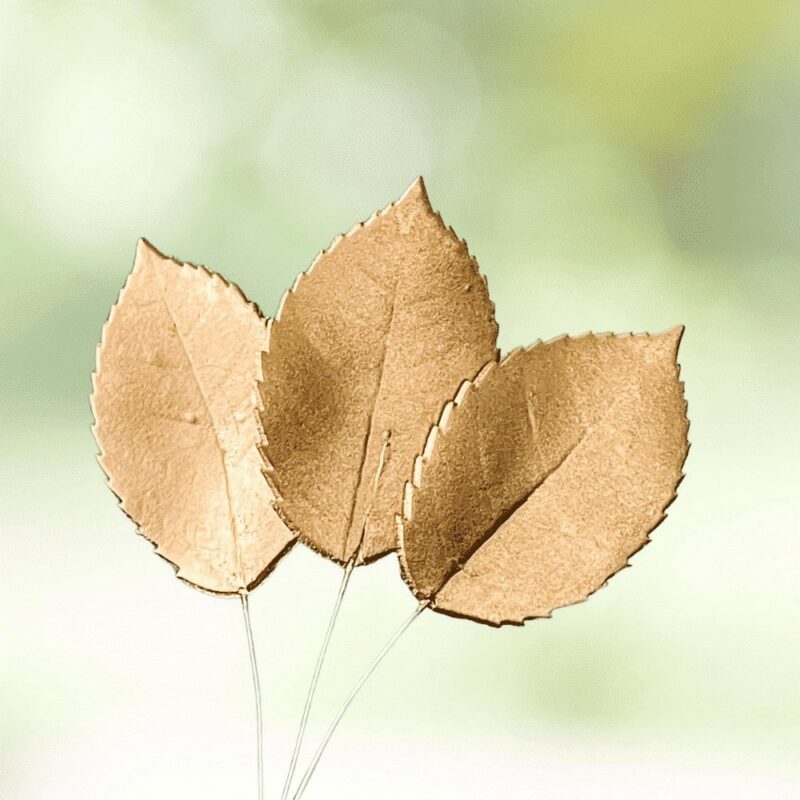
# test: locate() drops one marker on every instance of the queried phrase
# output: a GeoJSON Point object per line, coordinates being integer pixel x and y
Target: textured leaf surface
{"type": "Point", "coordinates": [365, 350]}
{"type": "Point", "coordinates": [175, 418]}
{"type": "Point", "coordinates": [544, 476]}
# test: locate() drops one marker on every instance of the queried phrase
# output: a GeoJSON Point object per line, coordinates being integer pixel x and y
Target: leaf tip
{"type": "Point", "coordinates": [416, 192]}
{"type": "Point", "coordinates": [145, 250]}
{"type": "Point", "coordinates": [672, 336]}
{"type": "Point", "coordinates": [149, 257]}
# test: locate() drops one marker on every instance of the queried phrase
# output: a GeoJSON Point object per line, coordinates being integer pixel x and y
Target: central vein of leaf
{"type": "Point", "coordinates": [353, 526]}
{"type": "Point", "coordinates": [217, 439]}
{"type": "Point", "coordinates": [512, 509]}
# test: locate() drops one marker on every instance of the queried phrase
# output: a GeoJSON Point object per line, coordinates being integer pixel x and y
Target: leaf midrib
{"type": "Point", "coordinates": [509, 512]}
{"type": "Point", "coordinates": [220, 449]}
{"type": "Point", "coordinates": [370, 430]}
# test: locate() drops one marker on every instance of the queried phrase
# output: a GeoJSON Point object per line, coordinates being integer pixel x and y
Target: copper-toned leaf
{"type": "Point", "coordinates": [175, 417]}
{"type": "Point", "coordinates": [365, 350]}
{"type": "Point", "coordinates": [544, 476]}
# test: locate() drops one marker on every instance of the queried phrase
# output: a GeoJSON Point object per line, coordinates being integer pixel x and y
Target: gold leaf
{"type": "Point", "coordinates": [544, 476]}
{"type": "Point", "coordinates": [365, 349]}
{"type": "Point", "coordinates": [174, 403]}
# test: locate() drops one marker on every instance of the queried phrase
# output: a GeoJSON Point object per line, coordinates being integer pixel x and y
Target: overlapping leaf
{"type": "Point", "coordinates": [544, 476]}
{"type": "Point", "coordinates": [362, 355]}
{"type": "Point", "coordinates": [174, 404]}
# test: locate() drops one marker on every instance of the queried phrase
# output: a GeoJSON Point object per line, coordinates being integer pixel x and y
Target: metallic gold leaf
{"type": "Point", "coordinates": [175, 418]}
{"type": "Point", "coordinates": [544, 476]}
{"type": "Point", "coordinates": [364, 351]}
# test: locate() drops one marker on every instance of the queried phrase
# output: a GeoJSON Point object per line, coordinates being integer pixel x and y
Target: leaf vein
{"type": "Point", "coordinates": [217, 438]}
{"type": "Point", "coordinates": [509, 512]}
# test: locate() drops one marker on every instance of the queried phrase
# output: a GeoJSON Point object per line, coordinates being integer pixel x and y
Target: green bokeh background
{"type": "Point", "coordinates": [613, 166]}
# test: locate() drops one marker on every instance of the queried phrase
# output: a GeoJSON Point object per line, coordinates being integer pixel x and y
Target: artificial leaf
{"type": "Point", "coordinates": [544, 476]}
{"type": "Point", "coordinates": [363, 353]}
{"type": "Point", "coordinates": [175, 418]}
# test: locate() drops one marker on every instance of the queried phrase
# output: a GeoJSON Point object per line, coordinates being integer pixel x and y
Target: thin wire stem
{"type": "Point", "coordinates": [354, 559]}
{"type": "Point", "coordinates": [348, 570]}
{"type": "Point", "coordinates": [257, 691]}
{"type": "Point", "coordinates": [353, 693]}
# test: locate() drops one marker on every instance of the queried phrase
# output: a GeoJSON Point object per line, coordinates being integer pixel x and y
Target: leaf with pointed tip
{"type": "Point", "coordinates": [544, 476]}
{"type": "Point", "coordinates": [363, 353]}
{"type": "Point", "coordinates": [174, 403]}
